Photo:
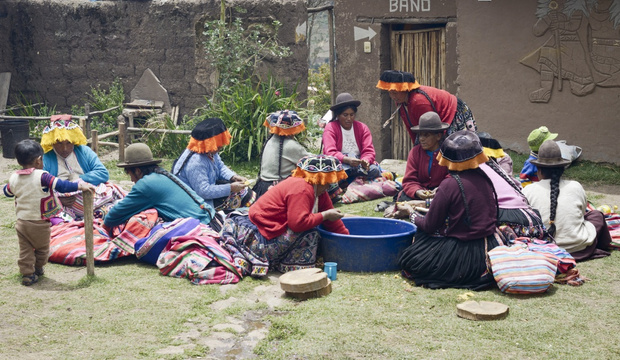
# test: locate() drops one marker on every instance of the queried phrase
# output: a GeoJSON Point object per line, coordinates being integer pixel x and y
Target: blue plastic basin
{"type": "Point", "coordinates": [374, 244]}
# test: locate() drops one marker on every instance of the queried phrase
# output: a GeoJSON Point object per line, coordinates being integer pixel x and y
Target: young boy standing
{"type": "Point", "coordinates": [35, 204]}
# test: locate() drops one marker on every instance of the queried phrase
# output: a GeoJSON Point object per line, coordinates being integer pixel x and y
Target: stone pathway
{"type": "Point", "coordinates": [237, 337]}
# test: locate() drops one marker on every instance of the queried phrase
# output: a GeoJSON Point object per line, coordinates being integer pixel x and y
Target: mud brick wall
{"type": "Point", "coordinates": [59, 49]}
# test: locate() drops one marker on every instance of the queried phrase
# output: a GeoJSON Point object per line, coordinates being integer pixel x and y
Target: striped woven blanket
{"type": "Point", "coordinates": [199, 258]}
{"type": "Point", "coordinates": [613, 223]}
{"type": "Point", "coordinates": [68, 244]}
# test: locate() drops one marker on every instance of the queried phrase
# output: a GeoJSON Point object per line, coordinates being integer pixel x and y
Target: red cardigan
{"type": "Point", "coordinates": [445, 104]}
{"type": "Point", "coordinates": [416, 174]}
{"type": "Point", "coordinates": [332, 141]}
{"type": "Point", "coordinates": [289, 205]}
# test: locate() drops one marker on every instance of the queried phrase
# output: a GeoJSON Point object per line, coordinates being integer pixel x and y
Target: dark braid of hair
{"type": "Point", "coordinates": [457, 177]}
{"type": "Point", "coordinates": [282, 138]}
{"type": "Point", "coordinates": [554, 174]}
{"type": "Point", "coordinates": [490, 182]}
{"type": "Point", "coordinates": [495, 166]}
{"type": "Point", "coordinates": [183, 164]}
{"type": "Point", "coordinates": [150, 169]}
{"type": "Point", "coordinates": [261, 158]}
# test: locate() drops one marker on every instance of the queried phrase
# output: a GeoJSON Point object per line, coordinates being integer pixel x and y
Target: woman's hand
{"type": "Point", "coordinates": [365, 164]}
{"type": "Point", "coordinates": [352, 161]}
{"type": "Point", "coordinates": [425, 194]}
{"type": "Point", "coordinates": [332, 214]}
{"type": "Point", "coordinates": [237, 186]}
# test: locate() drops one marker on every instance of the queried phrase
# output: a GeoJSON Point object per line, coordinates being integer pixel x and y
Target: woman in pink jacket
{"type": "Point", "coordinates": [350, 141]}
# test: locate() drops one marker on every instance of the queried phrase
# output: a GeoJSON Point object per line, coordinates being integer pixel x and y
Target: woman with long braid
{"type": "Point", "coordinates": [563, 207]}
{"type": "Point", "coordinates": [513, 208]}
{"type": "Point", "coordinates": [281, 151]}
{"type": "Point", "coordinates": [155, 188]}
{"type": "Point", "coordinates": [450, 246]}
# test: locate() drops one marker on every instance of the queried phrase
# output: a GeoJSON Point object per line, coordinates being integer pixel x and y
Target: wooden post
{"type": "Point", "coordinates": [332, 56]}
{"type": "Point", "coordinates": [82, 123]}
{"type": "Point", "coordinates": [121, 138]}
{"type": "Point", "coordinates": [95, 141]}
{"type": "Point", "coordinates": [88, 197]}
{"type": "Point", "coordinates": [88, 119]}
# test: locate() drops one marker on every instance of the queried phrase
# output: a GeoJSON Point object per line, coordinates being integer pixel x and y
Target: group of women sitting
{"type": "Point", "coordinates": [465, 179]}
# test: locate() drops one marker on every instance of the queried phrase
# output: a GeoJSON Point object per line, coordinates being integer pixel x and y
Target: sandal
{"type": "Point", "coordinates": [39, 271]}
{"type": "Point", "coordinates": [29, 280]}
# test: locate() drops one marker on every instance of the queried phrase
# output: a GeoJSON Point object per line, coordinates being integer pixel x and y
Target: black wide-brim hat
{"type": "Point", "coordinates": [461, 151]}
{"type": "Point", "coordinates": [344, 100]}
{"type": "Point", "coordinates": [550, 155]}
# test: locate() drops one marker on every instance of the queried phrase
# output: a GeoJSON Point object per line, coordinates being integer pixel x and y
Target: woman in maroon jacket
{"type": "Point", "coordinates": [280, 232]}
{"type": "Point", "coordinates": [449, 250]}
{"type": "Point", "coordinates": [423, 173]}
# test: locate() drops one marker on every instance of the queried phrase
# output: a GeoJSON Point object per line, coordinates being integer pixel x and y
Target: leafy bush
{"type": "Point", "coordinates": [235, 52]}
{"type": "Point", "coordinates": [100, 99]}
{"type": "Point", "coordinates": [244, 109]}
{"type": "Point", "coordinates": [319, 89]}
{"type": "Point", "coordinates": [165, 144]}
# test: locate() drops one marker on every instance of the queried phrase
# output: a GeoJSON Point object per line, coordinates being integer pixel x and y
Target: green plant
{"type": "Point", "coordinates": [100, 99]}
{"type": "Point", "coordinates": [236, 51]}
{"type": "Point", "coordinates": [244, 109]}
{"type": "Point", "coordinates": [166, 144]}
{"type": "Point", "coordinates": [319, 89]}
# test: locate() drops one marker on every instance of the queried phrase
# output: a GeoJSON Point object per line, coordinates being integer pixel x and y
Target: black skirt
{"type": "Point", "coordinates": [445, 262]}
{"type": "Point", "coordinates": [262, 186]}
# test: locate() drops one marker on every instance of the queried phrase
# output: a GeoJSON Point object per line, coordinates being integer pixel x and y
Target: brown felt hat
{"type": "Point", "coordinates": [550, 155]}
{"type": "Point", "coordinates": [430, 122]}
{"type": "Point", "coordinates": [137, 155]}
{"type": "Point", "coordinates": [344, 99]}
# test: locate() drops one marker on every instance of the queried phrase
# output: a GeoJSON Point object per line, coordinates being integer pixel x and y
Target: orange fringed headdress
{"type": "Point", "coordinates": [461, 151]}
{"type": "Point", "coordinates": [397, 81]}
{"type": "Point", "coordinates": [320, 170]}
{"type": "Point", "coordinates": [60, 129]}
{"type": "Point", "coordinates": [209, 136]}
{"type": "Point", "coordinates": [284, 123]}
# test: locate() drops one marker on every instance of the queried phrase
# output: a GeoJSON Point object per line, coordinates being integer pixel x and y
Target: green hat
{"type": "Point", "coordinates": [538, 136]}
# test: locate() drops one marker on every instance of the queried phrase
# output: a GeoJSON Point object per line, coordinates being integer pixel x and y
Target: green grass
{"type": "Point", "coordinates": [583, 171]}
{"type": "Point", "coordinates": [129, 311]}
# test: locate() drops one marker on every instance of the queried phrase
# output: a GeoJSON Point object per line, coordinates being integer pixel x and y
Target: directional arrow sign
{"type": "Point", "coordinates": [360, 33]}
{"type": "Point", "coordinates": [301, 29]}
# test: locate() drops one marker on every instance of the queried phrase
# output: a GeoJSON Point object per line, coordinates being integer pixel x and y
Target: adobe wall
{"type": "Point", "coordinates": [59, 49]}
{"type": "Point", "coordinates": [487, 48]}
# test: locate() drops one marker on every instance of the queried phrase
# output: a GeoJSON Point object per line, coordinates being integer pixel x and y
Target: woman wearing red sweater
{"type": "Point", "coordinates": [414, 100]}
{"type": "Point", "coordinates": [280, 231]}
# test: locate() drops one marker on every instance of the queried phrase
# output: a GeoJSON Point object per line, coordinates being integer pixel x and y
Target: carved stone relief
{"type": "Point", "coordinates": [582, 46]}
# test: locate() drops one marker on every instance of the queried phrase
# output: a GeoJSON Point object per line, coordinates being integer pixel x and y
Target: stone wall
{"type": "Point", "coordinates": [59, 49]}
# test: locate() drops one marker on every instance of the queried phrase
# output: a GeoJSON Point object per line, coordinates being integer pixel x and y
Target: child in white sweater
{"type": "Point", "coordinates": [35, 204]}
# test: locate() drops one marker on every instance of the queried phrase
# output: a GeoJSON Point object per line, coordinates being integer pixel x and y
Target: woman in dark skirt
{"type": "Point", "coordinates": [450, 246]}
